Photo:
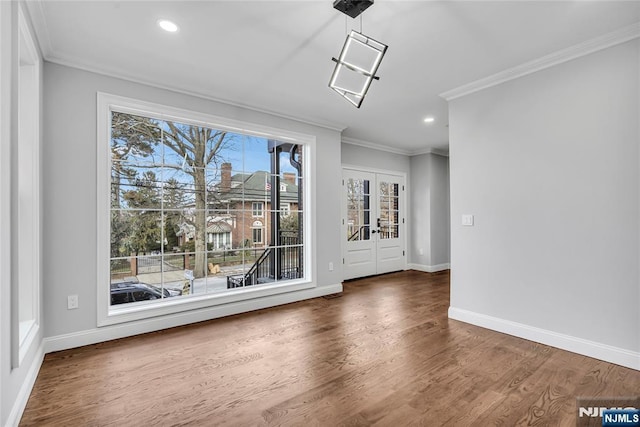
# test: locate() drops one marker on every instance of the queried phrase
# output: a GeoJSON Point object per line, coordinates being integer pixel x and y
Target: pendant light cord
{"type": "Point", "coordinates": [346, 26]}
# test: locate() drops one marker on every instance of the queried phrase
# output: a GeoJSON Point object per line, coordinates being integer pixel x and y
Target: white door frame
{"type": "Point", "coordinates": [343, 206]}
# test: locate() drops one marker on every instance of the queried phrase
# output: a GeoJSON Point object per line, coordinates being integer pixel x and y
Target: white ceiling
{"type": "Point", "coordinates": [276, 55]}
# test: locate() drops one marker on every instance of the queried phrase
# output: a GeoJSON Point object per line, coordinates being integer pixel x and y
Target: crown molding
{"type": "Point", "coordinates": [394, 150]}
{"type": "Point", "coordinates": [373, 146]}
{"type": "Point", "coordinates": [436, 151]}
{"type": "Point", "coordinates": [118, 74]}
{"type": "Point", "coordinates": [35, 10]}
{"type": "Point", "coordinates": [619, 36]}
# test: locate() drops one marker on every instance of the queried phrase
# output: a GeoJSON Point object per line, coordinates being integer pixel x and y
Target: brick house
{"type": "Point", "coordinates": [241, 215]}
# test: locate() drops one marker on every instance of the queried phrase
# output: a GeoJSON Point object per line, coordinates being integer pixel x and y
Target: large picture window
{"type": "Point", "coordinates": [183, 200]}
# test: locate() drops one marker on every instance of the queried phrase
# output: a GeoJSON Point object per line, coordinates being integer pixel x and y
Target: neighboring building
{"type": "Point", "coordinates": [186, 232]}
{"type": "Point", "coordinates": [219, 234]}
{"type": "Point", "coordinates": [244, 205]}
{"type": "Point", "coordinates": [241, 214]}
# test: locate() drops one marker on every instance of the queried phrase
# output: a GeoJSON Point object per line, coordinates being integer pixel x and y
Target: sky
{"type": "Point", "coordinates": [246, 154]}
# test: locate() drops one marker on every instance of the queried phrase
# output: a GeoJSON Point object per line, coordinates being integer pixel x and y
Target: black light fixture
{"type": "Point", "coordinates": [359, 60]}
{"type": "Point", "coordinates": [353, 8]}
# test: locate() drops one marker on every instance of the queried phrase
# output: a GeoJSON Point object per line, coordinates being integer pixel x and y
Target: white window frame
{"type": "Point", "coordinates": [107, 315]}
{"type": "Point", "coordinates": [26, 280]}
{"type": "Point", "coordinates": [257, 207]}
{"type": "Point", "coordinates": [285, 209]}
{"type": "Point", "coordinates": [253, 230]}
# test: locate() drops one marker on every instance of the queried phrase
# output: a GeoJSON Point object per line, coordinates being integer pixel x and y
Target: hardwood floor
{"type": "Point", "coordinates": [382, 354]}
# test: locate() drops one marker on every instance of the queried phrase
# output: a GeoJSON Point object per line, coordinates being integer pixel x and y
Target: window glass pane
{"type": "Point", "coordinates": [120, 297]}
{"type": "Point", "coordinates": [389, 211]}
{"type": "Point", "coordinates": [289, 261]}
{"type": "Point", "coordinates": [191, 209]}
{"type": "Point", "coordinates": [178, 189]}
{"type": "Point", "coordinates": [389, 231]}
{"type": "Point", "coordinates": [122, 268]}
{"type": "Point", "coordinates": [384, 189]}
{"type": "Point", "coordinates": [143, 234]}
{"type": "Point", "coordinates": [358, 213]}
{"type": "Point", "coordinates": [256, 155]}
{"type": "Point", "coordinates": [136, 141]}
{"type": "Point", "coordinates": [289, 193]}
{"type": "Point", "coordinates": [290, 224]}
{"type": "Point", "coordinates": [143, 295]}
{"type": "Point", "coordinates": [357, 232]}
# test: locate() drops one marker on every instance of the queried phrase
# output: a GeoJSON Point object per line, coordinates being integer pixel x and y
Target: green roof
{"type": "Point", "coordinates": [254, 187]}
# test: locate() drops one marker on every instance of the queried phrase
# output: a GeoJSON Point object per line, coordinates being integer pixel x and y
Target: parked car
{"type": "Point", "coordinates": [125, 292]}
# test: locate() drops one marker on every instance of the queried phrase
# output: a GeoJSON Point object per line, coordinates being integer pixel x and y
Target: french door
{"type": "Point", "coordinates": [373, 229]}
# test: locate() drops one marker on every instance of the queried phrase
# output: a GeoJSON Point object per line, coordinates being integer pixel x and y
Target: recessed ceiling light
{"type": "Point", "coordinates": [429, 119]}
{"type": "Point", "coordinates": [167, 25]}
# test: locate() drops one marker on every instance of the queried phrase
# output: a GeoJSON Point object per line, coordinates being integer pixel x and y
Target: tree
{"type": "Point", "coordinates": [130, 135]}
{"type": "Point", "coordinates": [145, 233]}
{"type": "Point", "coordinates": [289, 223]}
{"type": "Point", "coordinates": [174, 200]}
{"type": "Point", "coordinates": [120, 232]}
{"type": "Point", "coordinates": [199, 147]}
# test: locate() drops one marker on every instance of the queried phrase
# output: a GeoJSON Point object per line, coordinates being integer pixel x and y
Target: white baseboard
{"type": "Point", "coordinates": [25, 390]}
{"type": "Point", "coordinates": [616, 355]}
{"type": "Point", "coordinates": [429, 268]}
{"type": "Point", "coordinates": [122, 330]}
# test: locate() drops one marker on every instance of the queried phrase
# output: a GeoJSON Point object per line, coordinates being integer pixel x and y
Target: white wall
{"type": "Point", "coordinates": [549, 165]}
{"type": "Point", "coordinates": [356, 155]}
{"type": "Point", "coordinates": [70, 202]}
{"type": "Point", "coordinates": [16, 377]}
{"type": "Point", "coordinates": [429, 196]}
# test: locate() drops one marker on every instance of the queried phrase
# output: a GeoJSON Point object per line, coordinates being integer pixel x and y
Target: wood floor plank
{"type": "Point", "coordinates": [384, 354]}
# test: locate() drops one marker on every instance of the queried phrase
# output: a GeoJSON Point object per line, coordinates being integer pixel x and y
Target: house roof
{"type": "Point", "coordinates": [218, 227]}
{"type": "Point", "coordinates": [256, 187]}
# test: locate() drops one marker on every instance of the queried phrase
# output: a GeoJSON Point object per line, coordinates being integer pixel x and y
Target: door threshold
{"type": "Point", "coordinates": [371, 275]}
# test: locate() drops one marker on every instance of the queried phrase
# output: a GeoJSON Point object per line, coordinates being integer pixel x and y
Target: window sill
{"type": "Point", "coordinates": [145, 310]}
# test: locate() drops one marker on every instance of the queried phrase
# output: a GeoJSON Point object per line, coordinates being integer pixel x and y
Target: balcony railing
{"type": "Point", "coordinates": [281, 262]}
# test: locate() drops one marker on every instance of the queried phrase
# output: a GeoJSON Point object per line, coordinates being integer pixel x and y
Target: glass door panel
{"type": "Point", "coordinates": [389, 211]}
{"type": "Point", "coordinates": [358, 209]}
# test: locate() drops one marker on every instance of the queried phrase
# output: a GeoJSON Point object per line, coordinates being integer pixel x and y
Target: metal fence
{"type": "Point", "coordinates": [282, 262]}
{"type": "Point", "coordinates": [127, 267]}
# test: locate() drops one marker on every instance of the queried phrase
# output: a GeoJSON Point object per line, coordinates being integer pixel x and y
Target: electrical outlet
{"type": "Point", "coordinates": [72, 302]}
{"type": "Point", "coordinates": [330, 266]}
{"type": "Point", "coordinates": [467, 220]}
